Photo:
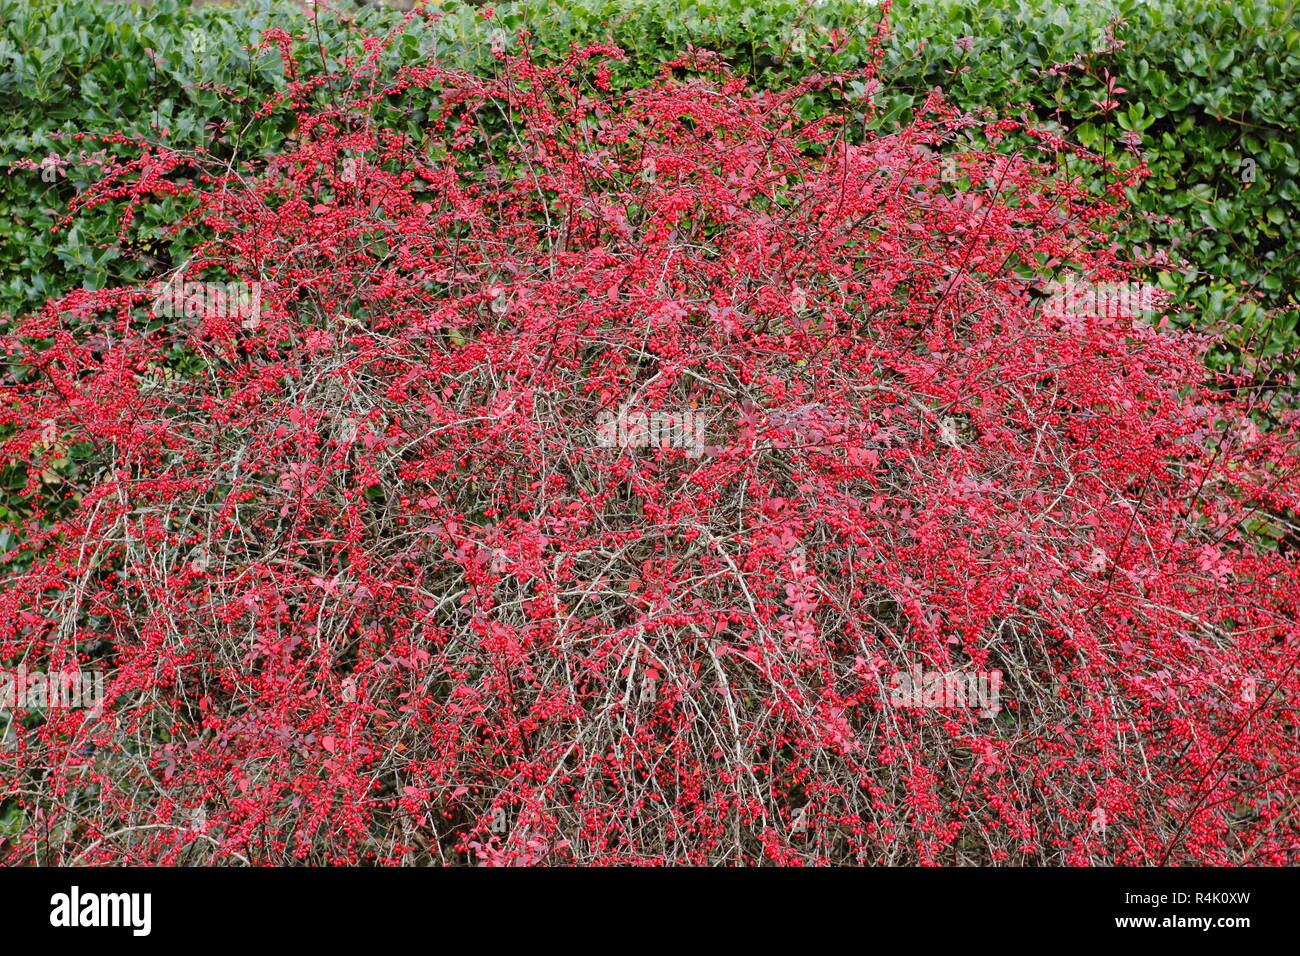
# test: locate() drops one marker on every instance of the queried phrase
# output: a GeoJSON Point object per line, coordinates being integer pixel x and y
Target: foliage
{"type": "Point", "coordinates": [371, 586]}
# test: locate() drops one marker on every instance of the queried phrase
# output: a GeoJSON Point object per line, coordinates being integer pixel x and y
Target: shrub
{"type": "Point", "coordinates": [375, 583]}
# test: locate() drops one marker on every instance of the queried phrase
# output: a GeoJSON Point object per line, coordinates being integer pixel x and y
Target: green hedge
{"type": "Point", "coordinates": [1211, 85]}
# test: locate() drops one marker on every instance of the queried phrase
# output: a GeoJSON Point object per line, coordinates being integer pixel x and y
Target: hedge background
{"type": "Point", "coordinates": [1212, 86]}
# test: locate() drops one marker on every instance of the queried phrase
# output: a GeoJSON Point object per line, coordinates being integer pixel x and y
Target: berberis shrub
{"type": "Point", "coordinates": [373, 580]}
